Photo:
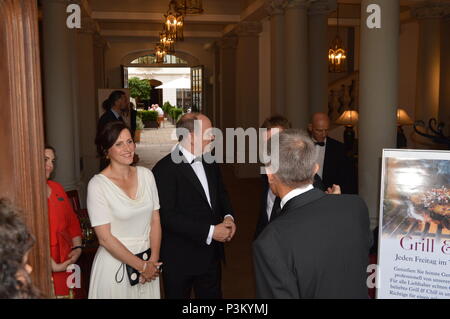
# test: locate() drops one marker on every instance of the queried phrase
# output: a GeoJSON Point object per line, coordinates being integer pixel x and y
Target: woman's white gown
{"type": "Point", "coordinates": [130, 224]}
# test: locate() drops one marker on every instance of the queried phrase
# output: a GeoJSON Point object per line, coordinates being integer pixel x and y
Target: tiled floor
{"type": "Point", "coordinates": [237, 278]}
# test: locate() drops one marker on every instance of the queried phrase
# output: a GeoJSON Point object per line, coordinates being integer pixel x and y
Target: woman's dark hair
{"type": "Point", "coordinates": [112, 99]}
{"type": "Point", "coordinates": [49, 147]}
{"type": "Point", "coordinates": [15, 242]}
{"type": "Point", "coordinates": [108, 135]}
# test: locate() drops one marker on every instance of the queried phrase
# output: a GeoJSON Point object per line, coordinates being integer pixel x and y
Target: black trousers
{"type": "Point", "coordinates": [178, 285]}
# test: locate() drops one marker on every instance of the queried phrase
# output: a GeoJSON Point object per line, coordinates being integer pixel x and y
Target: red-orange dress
{"type": "Point", "coordinates": [64, 226]}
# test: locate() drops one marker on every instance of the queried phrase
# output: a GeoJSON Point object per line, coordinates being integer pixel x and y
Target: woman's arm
{"type": "Point", "coordinates": [116, 248]}
{"type": "Point", "coordinates": [155, 236]}
{"type": "Point", "coordinates": [75, 253]}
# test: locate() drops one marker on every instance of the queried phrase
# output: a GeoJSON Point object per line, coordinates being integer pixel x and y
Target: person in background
{"type": "Point", "coordinates": [133, 114]}
{"type": "Point", "coordinates": [114, 105]}
{"type": "Point", "coordinates": [15, 244]}
{"type": "Point", "coordinates": [334, 167]}
{"type": "Point", "coordinates": [65, 231]}
{"type": "Point", "coordinates": [123, 208]}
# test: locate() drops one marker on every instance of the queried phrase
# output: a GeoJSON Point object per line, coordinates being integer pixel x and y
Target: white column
{"type": "Point", "coordinates": [378, 97]}
{"type": "Point", "coordinates": [296, 63]}
{"type": "Point", "coordinates": [87, 101]}
{"type": "Point", "coordinates": [428, 71]}
{"type": "Point", "coordinates": [275, 9]}
{"type": "Point", "coordinates": [444, 103]}
{"type": "Point", "coordinates": [58, 91]}
{"type": "Point", "coordinates": [247, 87]}
{"type": "Point", "coordinates": [318, 56]}
{"type": "Point", "coordinates": [227, 82]}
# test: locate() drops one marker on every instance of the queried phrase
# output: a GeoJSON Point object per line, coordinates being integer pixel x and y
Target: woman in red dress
{"type": "Point", "coordinates": [65, 231]}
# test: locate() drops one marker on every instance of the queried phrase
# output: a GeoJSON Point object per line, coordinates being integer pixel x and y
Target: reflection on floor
{"type": "Point", "coordinates": [237, 277]}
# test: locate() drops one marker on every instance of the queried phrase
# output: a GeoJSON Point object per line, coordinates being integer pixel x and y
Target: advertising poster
{"type": "Point", "coordinates": [414, 230]}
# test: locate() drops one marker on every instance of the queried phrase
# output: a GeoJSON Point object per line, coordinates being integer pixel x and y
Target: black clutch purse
{"type": "Point", "coordinates": [133, 274]}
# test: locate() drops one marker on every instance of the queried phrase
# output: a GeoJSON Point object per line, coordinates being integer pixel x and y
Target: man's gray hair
{"type": "Point", "coordinates": [297, 157]}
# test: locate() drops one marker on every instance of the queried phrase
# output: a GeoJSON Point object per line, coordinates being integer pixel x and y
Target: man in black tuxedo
{"type": "Point", "coordinates": [319, 245]}
{"type": "Point", "coordinates": [334, 167]}
{"type": "Point", "coordinates": [270, 204]}
{"type": "Point", "coordinates": [196, 214]}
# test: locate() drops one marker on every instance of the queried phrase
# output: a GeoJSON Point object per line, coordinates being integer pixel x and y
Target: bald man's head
{"type": "Point", "coordinates": [319, 125]}
{"type": "Point", "coordinates": [197, 142]}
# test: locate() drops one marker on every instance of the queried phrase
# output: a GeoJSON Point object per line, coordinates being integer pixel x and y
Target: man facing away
{"type": "Point", "coordinates": [196, 214]}
{"type": "Point", "coordinates": [319, 245]}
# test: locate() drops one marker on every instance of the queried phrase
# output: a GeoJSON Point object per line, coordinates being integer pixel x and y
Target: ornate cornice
{"type": "Point", "coordinates": [275, 7]}
{"type": "Point", "coordinates": [431, 10]}
{"type": "Point", "coordinates": [321, 7]}
{"type": "Point", "coordinates": [228, 42]}
{"type": "Point", "coordinates": [248, 28]}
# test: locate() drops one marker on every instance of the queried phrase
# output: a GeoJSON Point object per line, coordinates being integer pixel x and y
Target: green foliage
{"type": "Point", "coordinates": [166, 107]}
{"type": "Point", "coordinates": [147, 117]}
{"type": "Point", "coordinates": [175, 113]}
{"type": "Point", "coordinates": [139, 89]}
{"type": "Point", "coordinates": [139, 123]}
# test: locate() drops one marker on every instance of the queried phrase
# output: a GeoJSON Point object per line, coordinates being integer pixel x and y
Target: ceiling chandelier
{"type": "Point", "coordinates": [167, 41]}
{"type": "Point", "coordinates": [160, 53]}
{"type": "Point", "coordinates": [174, 22]}
{"type": "Point", "coordinates": [189, 6]}
{"type": "Point", "coordinates": [337, 54]}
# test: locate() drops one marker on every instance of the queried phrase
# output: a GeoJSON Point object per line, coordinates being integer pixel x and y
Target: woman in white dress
{"type": "Point", "coordinates": [123, 208]}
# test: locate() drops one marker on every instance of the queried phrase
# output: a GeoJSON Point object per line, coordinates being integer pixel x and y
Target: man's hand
{"type": "Point", "coordinates": [336, 190]}
{"type": "Point", "coordinates": [222, 232]}
{"type": "Point", "coordinates": [229, 222]}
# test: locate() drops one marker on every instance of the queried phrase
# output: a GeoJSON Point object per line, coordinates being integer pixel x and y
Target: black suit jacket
{"type": "Point", "coordinates": [317, 248]}
{"type": "Point", "coordinates": [335, 165]}
{"type": "Point", "coordinates": [106, 117]}
{"type": "Point", "coordinates": [186, 215]}
{"type": "Point", "coordinates": [263, 219]}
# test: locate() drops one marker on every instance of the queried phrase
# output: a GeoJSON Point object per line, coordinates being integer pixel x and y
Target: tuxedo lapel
{"type": "Point", "coordinates": [189, 173]}
{"type": "Point", "coordinates": [302, 200]}
{"type": "Point", "coordinates": [212, 182]}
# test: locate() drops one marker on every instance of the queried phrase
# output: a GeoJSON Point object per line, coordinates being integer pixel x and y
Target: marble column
{"type": "Point", "coordinates": [87, 105]}
{"type": "Point", "coordinates": [247, 89]}
{"type": "Point", "coordinates": [296, 63]}
{"type": "Point", "coordinates": [378, 98]}
{"type": "Point", "coordinates": [318, 56]}
{"type": "Point", "coordinates": [58, 91]}
{"type": "Point", "coordinates": [228, 81]}
{"type": "Point", "coordinates": [428, 71]}
{"type": "Point", "coordinates": [444, 100]}
{"type": "Point", "coordinates": [275, 9]}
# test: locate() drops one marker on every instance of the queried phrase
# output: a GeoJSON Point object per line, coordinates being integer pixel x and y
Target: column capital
{"type": "Point", "coordinates": [228, 42]}
{"type": "Point", "coordinates": [99, 41]}
{"type": "Point", "coordinates": [297, 3]}
{"type": "Point", "coordinates": [88, 26]}
{"type": "Point", "coordinates": [321, 7]}
{"type": "Point", "coordinates": [431, 10]}
{"type": "Point", "coordinates": [248, 28]}
{"type": "Point", "coordinates": [275, 7]}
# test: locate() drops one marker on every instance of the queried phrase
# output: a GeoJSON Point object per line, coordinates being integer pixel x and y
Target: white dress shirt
{"type": "Point", "coordinates": [295, 192]}
{"type": "Point", "coordinates": [320, 157]}
{"type": "Point", "coordinates": [270, 201]}
{"type": "Point", "coordinates": [199, 171]}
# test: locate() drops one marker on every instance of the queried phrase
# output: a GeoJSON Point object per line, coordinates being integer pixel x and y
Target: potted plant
{"type": "Point", "coordinates": [139, 128]}
{"type": "Point", "coordinates": [149, 118]}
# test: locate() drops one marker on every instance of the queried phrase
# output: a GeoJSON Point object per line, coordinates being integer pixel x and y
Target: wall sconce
{"type": "Point", "coordinates": [402, 119]}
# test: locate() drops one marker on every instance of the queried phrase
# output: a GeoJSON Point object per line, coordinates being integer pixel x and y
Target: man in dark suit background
{"type": "Point", "coordinates": [319, 245]}
{"type": "Point", "coordinates": [270, 204]}
{"type": "Point", "coordinates": [334, 166]}
{"type": "Point", "coordinates": [114, 105]}
{"type": "Point", "coordinates": [196, 214]}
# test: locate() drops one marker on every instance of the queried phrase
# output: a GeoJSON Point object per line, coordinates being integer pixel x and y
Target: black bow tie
{"type": "Point", "coordinates": [320, 143]}
{"type": "Point", "coordinates": [196, 159]}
